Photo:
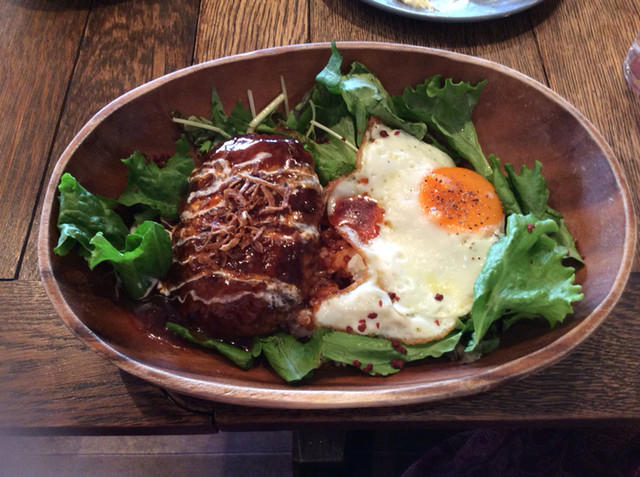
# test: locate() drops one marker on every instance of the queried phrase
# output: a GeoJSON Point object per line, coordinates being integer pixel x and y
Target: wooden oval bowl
{"type": "Point", "coordinates": [517, 119]}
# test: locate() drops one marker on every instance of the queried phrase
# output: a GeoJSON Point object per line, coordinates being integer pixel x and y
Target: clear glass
{"type": "Point", "coordinates": [631, 65]}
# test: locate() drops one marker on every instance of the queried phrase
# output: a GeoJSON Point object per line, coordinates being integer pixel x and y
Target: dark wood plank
{"type": "Point", "coordinates": [39, 44]}
{"type": "Point", "coordinates": [583, 48]}
{"type": "Point", "coordinates": [228, 28]}
{"type": "Point", "coordinates": [126, 44]}
{"type": "Point", "coordinates": [50, 379]}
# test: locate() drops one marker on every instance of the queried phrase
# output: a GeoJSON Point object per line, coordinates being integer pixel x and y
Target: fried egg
{"type": "Point", "coordinates": [422, 228]}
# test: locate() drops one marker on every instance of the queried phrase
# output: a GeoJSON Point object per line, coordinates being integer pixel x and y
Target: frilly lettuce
{"type": "Point", "coordinates": [158, 190]}
{"type": "Point", "coordinates": [447, 108]}
{"type": "Point", "coordinates": [241, 357]}
{"type": "Point", "coordinates": [82, 215]}
{"type": "Point", "coordinates": [139, 257]}
{"type": "Point", "coordinates": [364, 96]}
{"type": "Point", "coordinates": [527, 193]}
{"type": "Point", "coordinates": [295, 360]}
{"type": "Point", "coordinates": [145, 258]}
{"type": "Point", "coordinates": [523, 277]}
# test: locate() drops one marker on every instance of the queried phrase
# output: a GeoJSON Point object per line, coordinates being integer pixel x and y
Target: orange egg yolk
{"type": "Point", "coordinates": [460, 200]}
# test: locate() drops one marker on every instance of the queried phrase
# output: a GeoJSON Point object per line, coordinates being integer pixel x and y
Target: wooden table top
{"type": "Point", "coordinates": [65, 59]}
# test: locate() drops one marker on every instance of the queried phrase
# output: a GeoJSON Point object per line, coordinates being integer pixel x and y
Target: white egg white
{"type": "Point", "coordinates": [415, 278]}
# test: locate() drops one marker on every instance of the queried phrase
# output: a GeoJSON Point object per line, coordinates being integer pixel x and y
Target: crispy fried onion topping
{"type": "Point", "coordinates": [252, 204]}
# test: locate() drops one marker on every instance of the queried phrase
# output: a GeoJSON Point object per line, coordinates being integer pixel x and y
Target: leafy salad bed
{"type": "Point", "coordinates": [525, 275]}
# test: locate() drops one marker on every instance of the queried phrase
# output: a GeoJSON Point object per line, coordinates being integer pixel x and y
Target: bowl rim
{"type": "Point", "coordinates": [287, 396]}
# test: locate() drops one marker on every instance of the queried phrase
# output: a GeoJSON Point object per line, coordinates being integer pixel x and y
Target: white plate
{"type": "Point", "coordinates": [456, 10]}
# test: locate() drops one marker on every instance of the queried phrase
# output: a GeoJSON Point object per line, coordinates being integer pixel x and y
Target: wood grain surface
{"type": "Point", "coordinates": [229, 28]}
{"type": "Point", "coordinates": [34, 82]}
{"type": "Point", "coordinates": [65, 59]}
{"type": "Point", "coordinates": [50, 379]}
{"type": "Point", "coordinates": [125, 44]}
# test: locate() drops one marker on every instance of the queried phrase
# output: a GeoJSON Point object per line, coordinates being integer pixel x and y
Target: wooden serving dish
{"type": "Point", "coordinates": [517, 119]}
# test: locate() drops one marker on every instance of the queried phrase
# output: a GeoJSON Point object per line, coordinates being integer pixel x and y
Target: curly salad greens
{"type": "Point", "coordinates": [526, 274]}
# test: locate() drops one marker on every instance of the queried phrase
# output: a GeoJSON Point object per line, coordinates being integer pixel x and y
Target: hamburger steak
{"type": "Point", "coordinates": [245, 246]}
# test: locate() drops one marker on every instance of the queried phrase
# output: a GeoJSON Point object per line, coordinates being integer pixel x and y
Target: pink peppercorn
{"type": "Point", "coordinates": [397, 364]}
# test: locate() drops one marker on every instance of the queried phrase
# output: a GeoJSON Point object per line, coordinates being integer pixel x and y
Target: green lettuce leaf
{"type": "Point", "coordinates": [82, 215]}
{"type": "Point", "coordinates": [508, 199]}
{"type": "Point", "coordinates": [146, 257]}
{"type": "Point", "coordinates": [236, 123]}
{"type": "Point", "coordinates": [564, 240]}
{"type": "Point", "coordinates": [529, 188]}
{"type": "Point", "coordinates": [364, 96]}
{"type": "Point", "coordinates": [523, 276]}
{"type": "Point", "coordinates": [463, 352]}
{"type": "Point", "coordinates": [333, 158]}
{"type": "Point", "coordinates": [527, 193]}
{"type": "Point", "coordinates": [241, 357]}
{"type": "Point", "coordinates": [319, 104]}
{"type": "Point", "coordinates": [292, 359]}
{"type": "Point", "coordinates": [295, 360]}
{"type": "Point", "coordinates": [378, 356]}
{"type": "Point", "coordinates": [331, 75]}
{"type": "Point", "coordinates": [447, 108]}
{"type": "Point", "coordinates": [158, 189]}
